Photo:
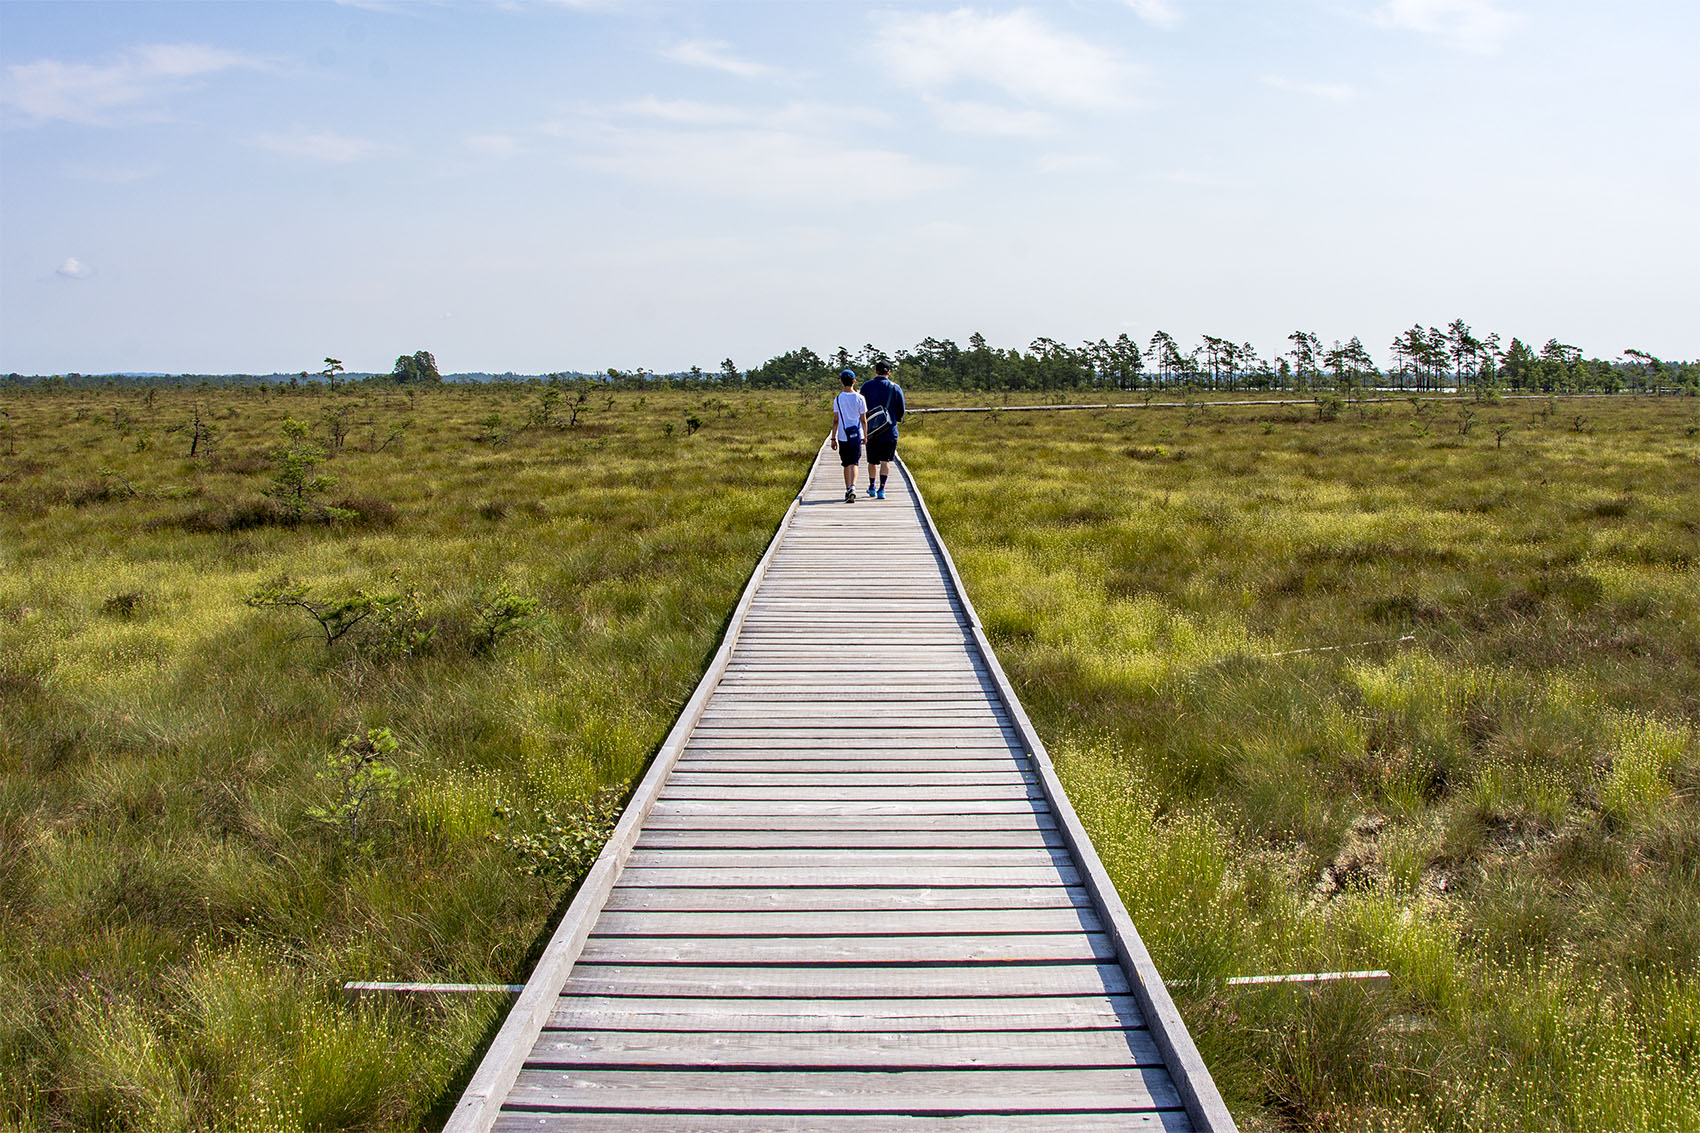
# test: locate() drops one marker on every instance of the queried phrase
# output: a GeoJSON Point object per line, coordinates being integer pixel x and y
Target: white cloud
{"type": "Point", "coordinates": [73, 268]}
{"type": "Point", "coordinates": [716, 56]}
{"type": "Point", "coordinates": [687, 112]}
{"type": "Point", "coordinates": [1013, 52]}
{"type": "Point", "coordinates": [795, 153]}
{"type": "Point", "coordinates": [99, 94]}
{"type": "Point", "coordinates": [766, 164]}
{"type": "Point", "coordinates": [1072, 162]}
{"type": "Point", "coordinates": [1159, 12]}
{"type": "Point", "coordinates": [1470, 25]}
{"type": "Point", "coordinates": [968, 117]}
{"type": "Point", "coordinates": [801, 116]}
{"type": "Point", "coordinates": [338, 149]}
{"type": "Point", "coordinates": [1334, 92]}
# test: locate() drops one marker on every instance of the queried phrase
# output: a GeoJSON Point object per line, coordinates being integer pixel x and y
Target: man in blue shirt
{"type": "Point", "coordinates": [885, 410]}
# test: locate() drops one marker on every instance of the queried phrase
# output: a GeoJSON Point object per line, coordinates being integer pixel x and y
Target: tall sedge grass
{"type": "Point", "coordinates": [1493, 790]}
{"type": "Point", "coordinates": [175, 926]}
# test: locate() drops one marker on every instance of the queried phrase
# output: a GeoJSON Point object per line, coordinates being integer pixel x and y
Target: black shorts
{"type": "Point", "coordinates": [849, 453]}
{"type": "Point", "coordinates": [882, 447]}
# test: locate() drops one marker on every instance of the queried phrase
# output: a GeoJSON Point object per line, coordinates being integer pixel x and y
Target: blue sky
{"type": "Point", "coordinates": [534, 186]}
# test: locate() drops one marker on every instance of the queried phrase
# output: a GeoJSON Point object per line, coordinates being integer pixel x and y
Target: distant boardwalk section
{"type": "Point", "coordinates": [849, 894]}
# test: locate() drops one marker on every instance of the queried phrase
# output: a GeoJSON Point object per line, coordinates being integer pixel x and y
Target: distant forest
{"type": "Point", "coordinates": [1453, 358]}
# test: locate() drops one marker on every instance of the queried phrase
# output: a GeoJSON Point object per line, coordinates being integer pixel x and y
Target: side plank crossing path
{"type": "Point", "coordinates": [849, 893]}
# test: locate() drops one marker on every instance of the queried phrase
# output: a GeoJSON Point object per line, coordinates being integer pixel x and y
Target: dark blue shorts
{"type": "Point", "coordinates": [849, 453]}
{"type": "Point", "coordinates": [882, 447]}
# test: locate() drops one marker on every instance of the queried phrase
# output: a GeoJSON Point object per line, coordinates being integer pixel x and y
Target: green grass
{"type": "Point", "coordinates": [1501, 811]}
{"type": "Point", "coordinates": [175, 925]}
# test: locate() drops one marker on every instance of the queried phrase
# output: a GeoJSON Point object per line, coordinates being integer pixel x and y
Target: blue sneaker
{"type": "Point", "coordinates": [870, 491]}
{"type": "Point", "coordinates": [880, 495]}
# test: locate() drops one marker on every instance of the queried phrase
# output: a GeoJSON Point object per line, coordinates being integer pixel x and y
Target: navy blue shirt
{"type": "Point", "coordinates": [884, 391]}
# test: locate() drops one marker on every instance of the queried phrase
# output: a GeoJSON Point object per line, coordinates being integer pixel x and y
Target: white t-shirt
{"type": "Point", "coordinates": [850, 407]}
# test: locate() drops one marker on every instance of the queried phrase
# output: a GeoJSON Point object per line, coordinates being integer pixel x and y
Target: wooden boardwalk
{"type": "Point", "coordinates": [849, 894]}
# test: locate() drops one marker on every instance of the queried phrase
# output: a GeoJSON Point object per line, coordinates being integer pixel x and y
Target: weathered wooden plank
{"type": "Point", "coordinates": [1022, 819]}
{"type": "Point", "coordinates": [525, 1121]}
{"type": "Point", "coordinates": [941, 1092]}
{"type": "Point", "coordinates": [652, 839]}
{"type": "Point", "coordinates": [734, 712]}
{"type": "Point", "coordinates": [853, 738]}
{"type": "Point", "coordinates": [800, 897]}
{"type": "Point", "coordinates": [1082, 994]}
{"type": "Point", "coordinates": [803, 1014]}
{"type": "Point", "coordinates": [838, 922]}
{"type": "Point", "coordinates": [841, 1050]}
{"type": "Point", "coordinates": [847, 794]}
{"type": "Point", "coordinates": [903, 807]}
{"type": "Point", "coordinates": [893, 698]}
{"type": "Point", "coordinates": [839, 777]}
{"type": "Point", "coordinates": [923, 862]}
{"type": "Point", "coordinates": [895, 747]}
{"type": "Point", "coordinates": [851, 762]}
{"type": "Point", "coordinates": [850, 875]}
{"type": "Point", "coordinates": [1062, 947]}
{"type": "Point", "coordinates": [822, 877]}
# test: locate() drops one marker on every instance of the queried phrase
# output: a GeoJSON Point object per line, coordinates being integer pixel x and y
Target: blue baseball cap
{"type": "Point", "coordinates": [847, 373]}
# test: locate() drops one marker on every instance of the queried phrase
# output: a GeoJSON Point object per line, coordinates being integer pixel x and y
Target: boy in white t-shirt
{"type": "Point", "coordinates": [849, 427]}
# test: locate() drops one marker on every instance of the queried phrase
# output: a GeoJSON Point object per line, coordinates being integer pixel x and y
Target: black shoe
{"type": "Point", "coordinates": [850, 496]}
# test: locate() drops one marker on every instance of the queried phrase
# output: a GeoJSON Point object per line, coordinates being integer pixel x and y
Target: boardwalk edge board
{"type": "Point", "coordinates": [481, 1103]}
{"type": "Point", "coordinates": [1204, 1104]}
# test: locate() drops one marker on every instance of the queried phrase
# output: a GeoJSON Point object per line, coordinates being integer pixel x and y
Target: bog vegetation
{"type": "Point", "coordinates": [301, 687]}
{"type": "Point", "coordinates": [347, 681]}
{"type": "Point", "coordinates": [1415, 687]}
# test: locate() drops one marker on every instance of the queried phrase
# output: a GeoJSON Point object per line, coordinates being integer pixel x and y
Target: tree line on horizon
{"type": "Point", "coordinates": [1453, 358]}
{"type": "Point", "coordinates": [1421, 359]}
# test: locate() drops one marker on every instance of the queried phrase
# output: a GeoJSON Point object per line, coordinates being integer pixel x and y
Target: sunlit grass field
{"type": "Point", "coordinates": [177, 912]}
{"type": "Point", "coordinates": [1500, 810]}
{"type": "Point", "coordinates": [1497, 799]}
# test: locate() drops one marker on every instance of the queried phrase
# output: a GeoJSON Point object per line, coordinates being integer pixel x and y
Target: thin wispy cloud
{"type": "Point", "coordinates": [1162, 13]}
{"type": "Point", "coordinates": [803, 153]}
{"type": "Point", "coordinates": [324, 146]}
{"type": "Point", "coordinates": [1072, 163]}
{"type": "Point", "coordinates": [1015, 53]}
{"type": "Point", "coordinates": [73, 268]}
{"type": "Point", "coordinates": [134, 84]}
{"type": "Point", "coordinates": [1333, 92]}
{"type": "Point", "coordinates": [965, 116]}
{"type": "Point", "coordinates": [688, 111]}
{"type": "Point", "coordinates": [1468, 25]}
{"type": "Point", "coordinates": [799, 116]}
{"type": "Point", "coordinates": [716, 55]}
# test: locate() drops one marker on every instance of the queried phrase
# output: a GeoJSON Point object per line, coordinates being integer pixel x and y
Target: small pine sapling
{"type": "Point", "coordinates": [295, 478]}
{"type": "Point", "coordinates": [361, 781]}
{"type": "Point", "coordinates": [503, 613]}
